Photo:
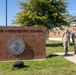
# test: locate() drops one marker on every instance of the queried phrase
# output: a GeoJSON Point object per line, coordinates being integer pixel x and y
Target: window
{"type": "Point", "coordinates": [59, 33]}
{"type": "Point", "coordinates": [55, 33]}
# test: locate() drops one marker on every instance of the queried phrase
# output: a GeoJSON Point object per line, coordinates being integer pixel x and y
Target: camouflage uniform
{"type": "Point", "coordinates": [74, 40]}
{"type": "Point", "coordinates": [66, 41]}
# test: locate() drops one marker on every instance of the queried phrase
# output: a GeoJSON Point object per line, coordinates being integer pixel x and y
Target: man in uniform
{"type": "Point", "coordinates": [74, 40]}
{"type": "Point", "coordinates": [66, 40]}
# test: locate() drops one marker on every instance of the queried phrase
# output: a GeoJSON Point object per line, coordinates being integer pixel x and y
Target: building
{"type": "Point", "coordinates": [56, 33]}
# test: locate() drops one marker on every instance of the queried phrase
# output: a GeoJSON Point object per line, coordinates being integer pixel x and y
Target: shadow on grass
{"type": "Point", "coordinates": [25, 66]}
{"type": "Point", "coordinates": [57, 45]}
{"type": "Point", "coordinates": [20, 67]}
{"type": "Point", "coordinates": [51, 55]}
{"type": "Point", "coordinates": [54, 45]}
{"type": "Point", "coordinates": [71, 44]}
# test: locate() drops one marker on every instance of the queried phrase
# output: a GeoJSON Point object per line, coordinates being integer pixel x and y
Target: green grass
{"type": "Point", "coordinates": [55, 65]}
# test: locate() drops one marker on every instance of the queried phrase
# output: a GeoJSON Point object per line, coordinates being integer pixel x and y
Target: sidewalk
{"type": "Point", "coordinates": [58, 39]}
{"type": "Point", "coordinates": [71, 57]}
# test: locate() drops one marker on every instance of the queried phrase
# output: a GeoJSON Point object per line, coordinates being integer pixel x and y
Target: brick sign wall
{"type": "Point", "coordinates": [33, 39]}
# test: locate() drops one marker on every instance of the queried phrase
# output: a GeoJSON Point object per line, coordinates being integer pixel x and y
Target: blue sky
{"type": "Point", "coordinates": [72, 7]}
{"type": "Point", "coordinates": [13, 8]}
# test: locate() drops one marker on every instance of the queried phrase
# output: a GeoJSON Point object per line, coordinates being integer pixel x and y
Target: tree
{"type": "Point", "coordinates": [48, 13]}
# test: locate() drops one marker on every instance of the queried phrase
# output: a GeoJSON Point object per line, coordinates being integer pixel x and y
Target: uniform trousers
{"type": "Point", "coordinates": [66, 45]}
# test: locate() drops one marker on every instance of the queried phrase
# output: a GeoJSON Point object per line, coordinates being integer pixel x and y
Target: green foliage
{"type": "Point", "coordinates": [48, 13]}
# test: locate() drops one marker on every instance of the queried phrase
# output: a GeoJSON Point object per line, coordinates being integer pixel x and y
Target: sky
{"type": "Point", "coordinates": [13, 8]}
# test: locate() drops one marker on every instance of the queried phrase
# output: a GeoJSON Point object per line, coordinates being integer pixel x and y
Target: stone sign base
{"type": "Point", "coordinates": [21, 43]}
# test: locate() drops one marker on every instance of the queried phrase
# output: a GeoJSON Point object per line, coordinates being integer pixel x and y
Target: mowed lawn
{"type": "Point", "coordinates": [54, 65]}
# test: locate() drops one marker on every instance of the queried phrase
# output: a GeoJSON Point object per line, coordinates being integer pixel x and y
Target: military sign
{"type": "Point", "coordinates": [16, 46]}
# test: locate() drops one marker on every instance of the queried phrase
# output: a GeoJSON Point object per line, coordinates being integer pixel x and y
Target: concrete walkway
{"type": "Point", "coordinates": [71, 57]}
{"type": "Point", "coordinates": [58, 39]}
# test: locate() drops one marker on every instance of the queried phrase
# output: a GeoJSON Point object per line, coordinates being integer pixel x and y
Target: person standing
{"type": "Point", "coordinates": [74, 40]}
{"type": "Point", "coordinates": [66, 40]}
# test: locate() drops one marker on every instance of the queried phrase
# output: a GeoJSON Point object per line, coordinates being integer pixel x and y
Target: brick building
{"type": "Point", "coordinates": [56, 34]}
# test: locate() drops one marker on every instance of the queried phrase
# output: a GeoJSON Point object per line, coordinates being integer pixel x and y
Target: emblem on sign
{"type": "Point", "coordinates": [16, 46]}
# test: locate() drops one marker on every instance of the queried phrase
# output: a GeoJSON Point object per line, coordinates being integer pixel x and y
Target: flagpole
{"type": "Point", "coordinates": [6, 12]}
